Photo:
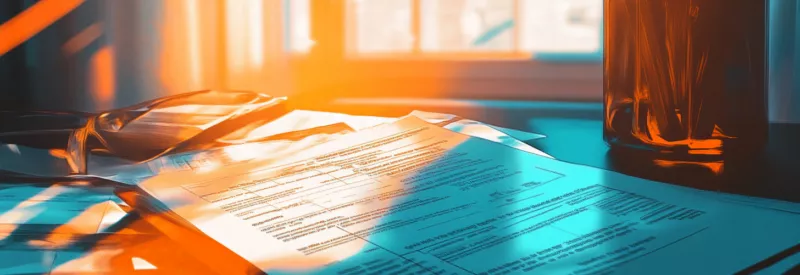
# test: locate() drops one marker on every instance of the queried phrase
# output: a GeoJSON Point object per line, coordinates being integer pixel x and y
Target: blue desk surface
{"type": "Point", "coordinates": [574, 134]}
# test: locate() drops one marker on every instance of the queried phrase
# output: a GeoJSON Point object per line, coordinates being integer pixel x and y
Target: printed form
{"type": "Point", "coordinates": [300, 129]}
{"type": "Point", "coordinates": [413, 198]}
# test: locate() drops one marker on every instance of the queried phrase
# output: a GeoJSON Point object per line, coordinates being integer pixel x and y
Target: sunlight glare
{"type": "Point", "coordinates": [141, 264]}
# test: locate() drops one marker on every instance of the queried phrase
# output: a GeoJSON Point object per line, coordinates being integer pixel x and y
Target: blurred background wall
{"type": "Point", "coordinates": [784, 80]}
{"type": "Point", "coordinates": [13, 92]}
{"type": "Point", "coordinates": [92, 55]}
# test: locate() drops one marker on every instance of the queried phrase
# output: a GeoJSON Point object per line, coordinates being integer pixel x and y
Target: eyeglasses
{"type": "Point", "coordinates": [185, 122]}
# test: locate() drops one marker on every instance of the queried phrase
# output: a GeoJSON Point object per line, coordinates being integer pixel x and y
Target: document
{"type": "Point", "coordinates": [413, 198]}
{"type": "Point", "coordinates": [303, 119]}
{"type": "Point", "coordinates": [300, 129]}
{"type": "Point", "coordinates": [774, 204]}
{"type": "Point", "coordinates": [509, 137]}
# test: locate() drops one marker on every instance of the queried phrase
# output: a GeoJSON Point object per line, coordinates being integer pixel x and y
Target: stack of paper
{"type": "Point", "coordinates": [412, 197]}
{"type": "Point", "coordinates": [301, 129]}
{"type": "Point", "coordinates": [45, 226]}
{"type": "Point", "coordinates": [427, 193]}
{"type": "Point", "coordinates": [298, 130]}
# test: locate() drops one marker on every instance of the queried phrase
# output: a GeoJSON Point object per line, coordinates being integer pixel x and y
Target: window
{"type": "Point", "coordinates": [511, 49]}
{"type": "Point", "coordinates": [543, 29]}
{"type": "Point", "coordinates": [297, 26]}
{"type": "Point", "coordinates": [565, 30]}
{"type": "Point", "coordinates": [508, 49]}
{"type": "Point", "coordinates": [466, 29]}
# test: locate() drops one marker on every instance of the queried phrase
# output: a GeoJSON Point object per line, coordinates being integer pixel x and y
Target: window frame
{"type": "Point", "coordinates": [492, 75]}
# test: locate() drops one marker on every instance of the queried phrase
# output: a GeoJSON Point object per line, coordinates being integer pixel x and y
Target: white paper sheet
{"type": "Point", "coordinates": [415, 197]}
{"type": "Point", "coordinates": [300, 121]}
{"type": "Point", "coordinates": [304, 119]}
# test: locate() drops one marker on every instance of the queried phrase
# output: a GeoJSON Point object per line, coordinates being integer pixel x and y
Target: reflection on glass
{"type": "Point", "coordinates": [564, 26]}
{"type": "Point", "coordinates": [298, 26]}
{"type": "Point", "coordinates": [467, 25]}
{"type": "Point", "coordinates": [380, 26]}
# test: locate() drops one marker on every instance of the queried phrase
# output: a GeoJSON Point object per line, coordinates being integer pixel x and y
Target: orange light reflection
{"type": "Point", "coordinates": [58, 153]}
{"type": "Point", "coordinates": [33, 20]}
{"type": "Point", "coordinates": [714, 166]}
{"type": "Point", "coordinates": [188, 58]}
{"type": "Point", "coordinates": [102, 78]}
{"type": "Point", "coordinates": [82, 39]}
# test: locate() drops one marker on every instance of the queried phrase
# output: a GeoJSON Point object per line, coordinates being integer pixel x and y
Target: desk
{"type": "Point", "coordinates": [574, 135]}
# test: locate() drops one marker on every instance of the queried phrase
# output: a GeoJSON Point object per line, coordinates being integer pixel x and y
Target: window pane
{"type": "Point", "coordinates": [379, 26]}
{"type": "Point", "coordinates": [467, 25]}
{"type": "Point", "coordinates": [298, 26]}
{"type": "Point", "coordinates": [562, 26]}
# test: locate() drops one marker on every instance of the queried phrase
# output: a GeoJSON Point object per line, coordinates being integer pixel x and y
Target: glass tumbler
{"type": "Point", "coordinates": [686, 77]}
